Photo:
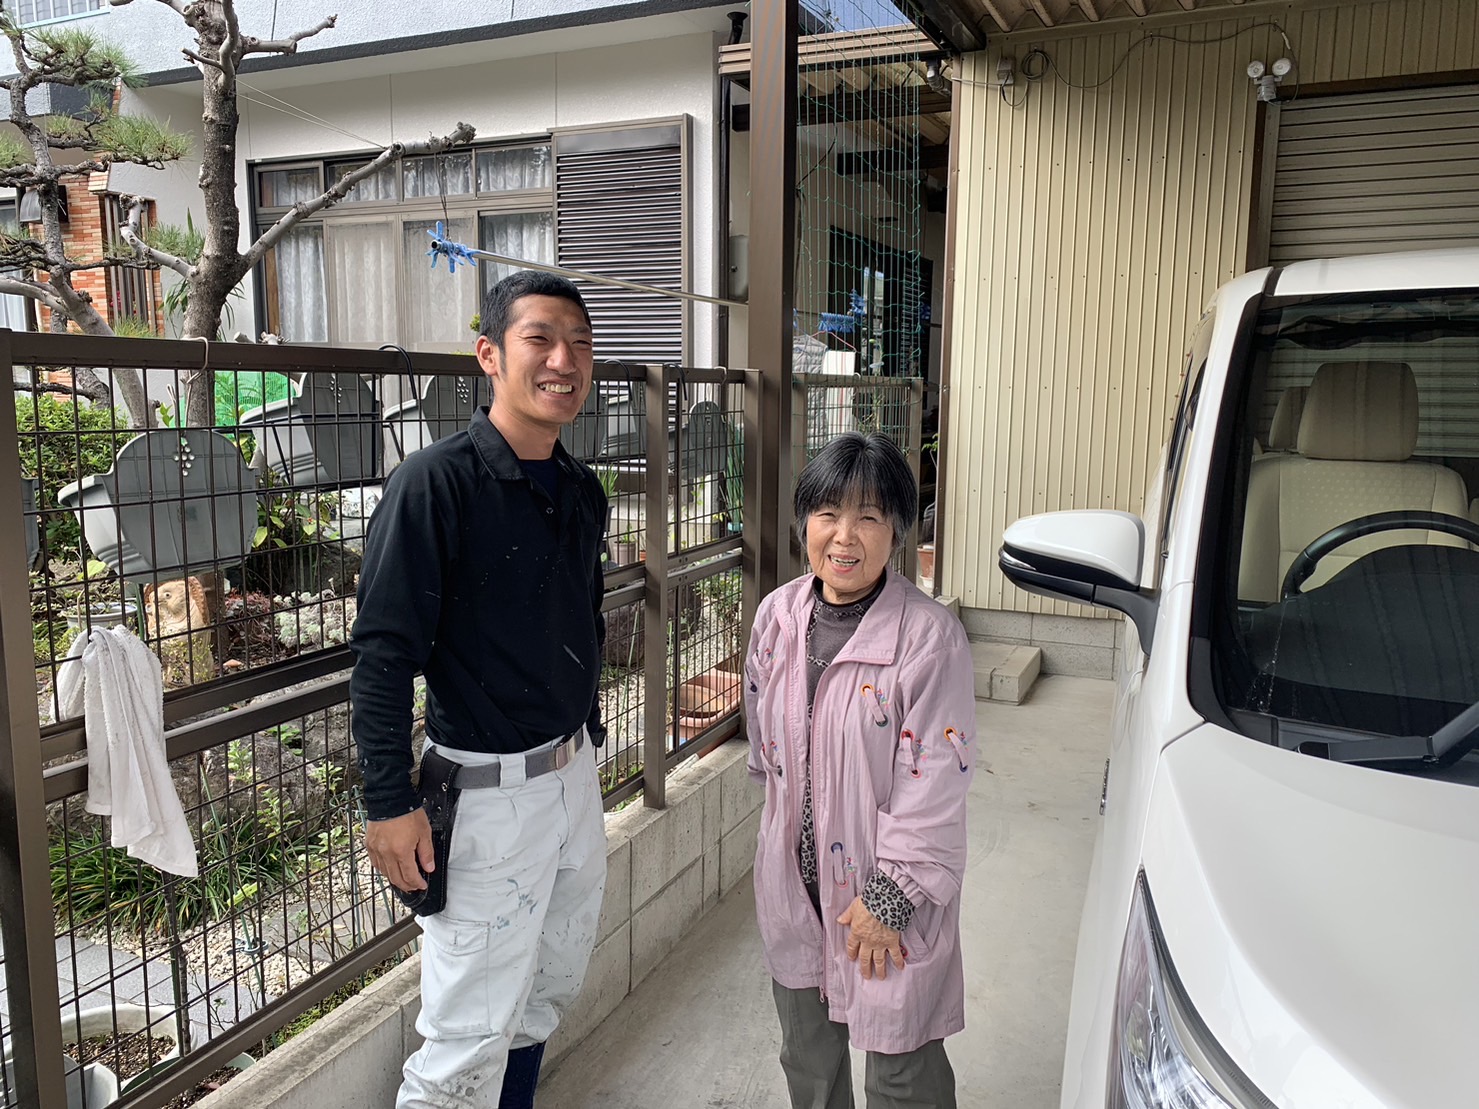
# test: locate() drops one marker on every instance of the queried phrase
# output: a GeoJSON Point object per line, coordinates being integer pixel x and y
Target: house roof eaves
{"type": "Point", "coordinates": [614, 14]}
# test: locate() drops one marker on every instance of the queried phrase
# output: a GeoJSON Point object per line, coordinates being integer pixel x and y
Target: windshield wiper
{"type": "Point", "coordinates": [1443, 748]}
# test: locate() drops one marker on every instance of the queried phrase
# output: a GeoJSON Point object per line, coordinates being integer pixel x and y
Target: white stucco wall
{"type": "Point", "coordinates": [154, 34]}
{"type": "Point", "coordinates": [508, 97]}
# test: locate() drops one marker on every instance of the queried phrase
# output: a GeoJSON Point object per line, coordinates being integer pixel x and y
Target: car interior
{"type": "Point", "coordinates": [1357, 569]}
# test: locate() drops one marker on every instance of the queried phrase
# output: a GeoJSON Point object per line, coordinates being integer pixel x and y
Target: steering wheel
{"type": "Point", "coordinates": [1304, 563]}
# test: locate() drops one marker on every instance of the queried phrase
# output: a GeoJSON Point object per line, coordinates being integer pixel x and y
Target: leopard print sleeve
{"type": "Point", "coordinates": [883, 898]}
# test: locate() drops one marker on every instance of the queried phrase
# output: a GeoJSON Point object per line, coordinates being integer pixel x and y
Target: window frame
{"type": "Point", "coordinates": [100, 7]}
{"type": "Point", "coordinates": [395, 212]}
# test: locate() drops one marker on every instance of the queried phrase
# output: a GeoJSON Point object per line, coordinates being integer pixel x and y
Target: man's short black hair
{"type": "Point", "coordinates": [859, 469]}
{"type": "Point", "coordinates": [498, 304]}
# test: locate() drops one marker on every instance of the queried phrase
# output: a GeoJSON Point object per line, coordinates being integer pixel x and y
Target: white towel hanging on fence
{"type": "Point", "coordinates": [114, 681]}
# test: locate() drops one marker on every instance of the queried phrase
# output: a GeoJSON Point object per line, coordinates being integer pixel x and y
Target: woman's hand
{"type": "Point", "coordinates": [870, 943]}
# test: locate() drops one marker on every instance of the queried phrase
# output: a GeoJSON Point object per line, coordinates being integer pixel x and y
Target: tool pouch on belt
{"type": "Point", "coordinates": [439, 795]}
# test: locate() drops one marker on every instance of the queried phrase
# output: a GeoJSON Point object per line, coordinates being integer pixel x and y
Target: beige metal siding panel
{"type": "Point", "coordinates": [1080, 269]}
{"type": "Point", "coordinates": [1091, 229]}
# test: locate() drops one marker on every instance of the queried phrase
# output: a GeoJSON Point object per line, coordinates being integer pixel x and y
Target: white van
{"type": "Point", "coordinates": [1283, 908]}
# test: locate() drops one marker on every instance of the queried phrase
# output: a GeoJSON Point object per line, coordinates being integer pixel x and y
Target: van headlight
{"type": "Point", "coordinates": [1161, 1054]}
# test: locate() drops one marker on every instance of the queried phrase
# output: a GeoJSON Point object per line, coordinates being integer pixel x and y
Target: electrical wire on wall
{"type": "Point", "coordinates": [1037, 64]}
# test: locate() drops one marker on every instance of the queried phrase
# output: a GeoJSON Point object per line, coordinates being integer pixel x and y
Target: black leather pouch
{"type": "Point", "coordinates": [439, 795]}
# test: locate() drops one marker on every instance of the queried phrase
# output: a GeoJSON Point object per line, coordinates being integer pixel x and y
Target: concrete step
{"type": "Point", "coordinates": [1005, 671]}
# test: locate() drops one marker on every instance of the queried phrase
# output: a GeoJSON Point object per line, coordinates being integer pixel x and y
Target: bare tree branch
{"type": "Point", "coordinates": [462, 133]}
{"type": "Point", "coordinates": [45, 387]}
{"type": "Point", "coordinates": [17, 287]}
{"type": "Point", "coordinates": [289, 45]}
{"type": "Point", "coordinates": [201, 60]}
{"type": "Point", "coordinates": [231, 49]}
{"type": "Point", "coordinates": [131, 235]}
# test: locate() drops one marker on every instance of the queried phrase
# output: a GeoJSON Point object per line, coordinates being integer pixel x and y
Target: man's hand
{"type": "Point", "coordinates": [397, 845]}
{"type": "Point", "coordinates": [870, 943]}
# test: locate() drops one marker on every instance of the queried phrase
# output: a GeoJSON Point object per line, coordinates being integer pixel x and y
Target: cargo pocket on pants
{"type": "Point", "coordinates": [456, 979]}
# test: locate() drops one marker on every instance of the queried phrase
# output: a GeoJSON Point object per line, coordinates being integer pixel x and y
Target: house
{"type": "Point", "coordinates": [1113, 184]}
{"type": "Point", "coordinates": [604, 143]}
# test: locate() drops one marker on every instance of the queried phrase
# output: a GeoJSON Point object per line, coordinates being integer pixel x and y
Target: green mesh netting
{"type": "Point", "coordinates": [862, 282]}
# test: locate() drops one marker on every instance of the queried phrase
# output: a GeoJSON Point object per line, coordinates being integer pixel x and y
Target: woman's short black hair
{"type": "Point", "coordinates": [859, 469]}
{"type": "Point", "coordinates": [498, 304]}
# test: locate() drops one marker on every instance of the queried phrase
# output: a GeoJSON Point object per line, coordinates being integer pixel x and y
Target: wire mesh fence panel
{"type": "Point", "coordinates": [826, 407]}
{"type": "Point", "coordinates": [709, 644]}
{"type": "Point", "coordinates": [623, 697]}
{"type": "Point", "coordinates": [709, 493]}
{"type": "Point", "coordinates": [285, 892]}
{"type": "Point", "coordinates": [232, 552]}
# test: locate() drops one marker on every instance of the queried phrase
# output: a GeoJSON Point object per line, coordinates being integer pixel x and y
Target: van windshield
{"type": "Point", "coordinates": [1348, 594]}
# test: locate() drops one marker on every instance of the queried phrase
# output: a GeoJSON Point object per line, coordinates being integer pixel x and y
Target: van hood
{"type": "Point", "coordinates": [1324, 920]}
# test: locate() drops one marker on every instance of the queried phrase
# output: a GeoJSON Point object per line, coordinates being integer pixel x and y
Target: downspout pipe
{"type": "Point", "coordinates": [726, 99]}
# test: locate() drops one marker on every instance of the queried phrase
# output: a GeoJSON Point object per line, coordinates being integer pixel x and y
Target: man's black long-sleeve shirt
{"type": "Point", "coordinates": [476, 577]}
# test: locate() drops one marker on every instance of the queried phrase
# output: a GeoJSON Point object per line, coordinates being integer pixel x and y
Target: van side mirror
{"type": "Point", "coordinates": [1093, 557]}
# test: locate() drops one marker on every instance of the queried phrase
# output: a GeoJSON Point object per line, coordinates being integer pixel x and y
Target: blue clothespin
{"type": "Point", "coordinates": [442, 247]}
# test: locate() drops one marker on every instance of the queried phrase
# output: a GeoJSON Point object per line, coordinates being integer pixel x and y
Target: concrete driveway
{"type": "Point", "coordinates": [700, 1032]}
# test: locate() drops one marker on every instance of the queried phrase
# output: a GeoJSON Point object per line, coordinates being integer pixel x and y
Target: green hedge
{"type": "Point", "coordinates": [62, 441]}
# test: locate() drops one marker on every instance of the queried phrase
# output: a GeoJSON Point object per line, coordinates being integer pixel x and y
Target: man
{"type": "Point", "coordinates": [482, 570]}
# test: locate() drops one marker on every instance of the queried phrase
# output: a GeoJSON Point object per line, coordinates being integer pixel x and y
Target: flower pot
{"type": "Point", "coordinates": [328, 435]}
{"type": "Point", "coordinates": [927, 561]}
{"type": "Point", "coordinates": [89, 1085]}
{"type": "Point", "coordinates": [164, 1066]}
{"type": "Point", "coordinates": [705, 700]}
{"type": "Point", "coordinates": [174, 502]}
{"type": "Point", "coordinates": [124, 613]}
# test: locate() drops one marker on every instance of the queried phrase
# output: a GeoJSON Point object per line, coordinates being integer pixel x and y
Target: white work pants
{"type": "Point", "coordinates": [504, 960]}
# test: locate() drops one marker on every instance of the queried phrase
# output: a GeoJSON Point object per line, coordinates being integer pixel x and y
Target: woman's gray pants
{"type": "Point", "coordinates": [814, 1056]}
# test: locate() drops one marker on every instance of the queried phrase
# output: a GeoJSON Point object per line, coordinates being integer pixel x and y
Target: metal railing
{"type": "Point", "coordinates": [232, 551]}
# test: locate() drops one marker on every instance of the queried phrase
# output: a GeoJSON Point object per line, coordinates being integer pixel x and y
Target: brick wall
{"type": "Point", "coordinates": [85, 238]}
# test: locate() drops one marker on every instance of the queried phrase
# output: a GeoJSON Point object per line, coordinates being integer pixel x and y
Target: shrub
{"type": "Point", "coordinates": [62, 441]}
{"type": "Point", "coordinates": [244, 851]}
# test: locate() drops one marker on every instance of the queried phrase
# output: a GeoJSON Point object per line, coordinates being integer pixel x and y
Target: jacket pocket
{"type": "Point", "coordinates": [456, 976]}
{"type": "Point", "coordinates": [923, 931]}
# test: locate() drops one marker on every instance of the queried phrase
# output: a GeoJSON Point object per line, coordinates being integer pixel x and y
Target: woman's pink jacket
{"type": "Point", "coordinates": [892, 747]}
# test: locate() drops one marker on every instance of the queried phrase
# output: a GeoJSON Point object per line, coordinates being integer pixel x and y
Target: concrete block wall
{"type": "Point", "coordinates": [1079, 646]}
{"type": "Point", "coordinates": [665, 869]}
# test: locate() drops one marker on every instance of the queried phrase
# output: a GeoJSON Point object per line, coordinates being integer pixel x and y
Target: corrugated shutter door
{"type": "Point", "coordinates": [619, 213]}
{"type": "Point", "coordinates": [1376, 172]}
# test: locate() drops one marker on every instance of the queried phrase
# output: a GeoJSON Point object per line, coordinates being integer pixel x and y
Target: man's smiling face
{"type": "Point", "coordinates": [541, 372]}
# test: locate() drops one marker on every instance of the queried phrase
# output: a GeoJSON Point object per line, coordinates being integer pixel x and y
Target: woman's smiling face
{"type": "Point", "coordinates": [849, 548]}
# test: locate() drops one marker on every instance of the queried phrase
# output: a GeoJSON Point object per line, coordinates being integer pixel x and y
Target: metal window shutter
{"type": "Point", "coordinates": [619, 213]}
{"type": "Point", "coordinates": [1376, 172]}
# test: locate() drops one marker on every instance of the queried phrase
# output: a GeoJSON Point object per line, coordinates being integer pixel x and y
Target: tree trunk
{"type": "Point", "coordinates": [221, 266]}
{"type": "Point", "coordinates": [126, 380]}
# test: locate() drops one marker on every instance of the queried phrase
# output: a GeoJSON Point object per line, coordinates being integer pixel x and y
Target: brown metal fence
{"type": "Point", "coordinates": [232, 551]}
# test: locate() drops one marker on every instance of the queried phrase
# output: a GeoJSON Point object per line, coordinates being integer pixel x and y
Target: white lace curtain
{"type": "Point", "coordinates": [301, 304]}
{"type": "Point", "coordinates": [529, 236]}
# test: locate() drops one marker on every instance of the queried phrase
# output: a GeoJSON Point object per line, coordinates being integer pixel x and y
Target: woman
{"type": "Point", "coordinates": [861, 708]}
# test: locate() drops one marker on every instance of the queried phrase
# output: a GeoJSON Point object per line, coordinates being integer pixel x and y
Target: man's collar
{"type": "Point", "coordinates": [500, 458]}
